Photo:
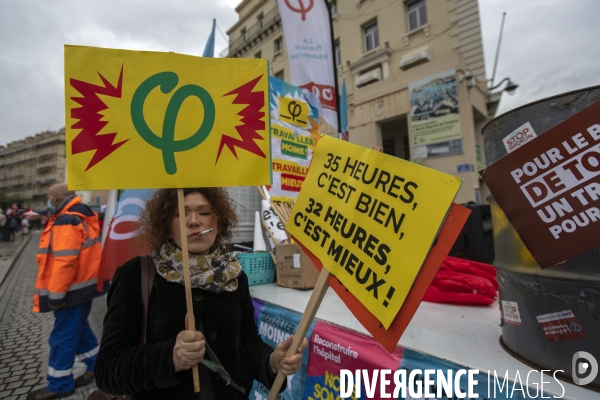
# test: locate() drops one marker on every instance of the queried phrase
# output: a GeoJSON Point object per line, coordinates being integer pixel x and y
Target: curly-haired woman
{"type": "Point", "coordinates": [223, 310]}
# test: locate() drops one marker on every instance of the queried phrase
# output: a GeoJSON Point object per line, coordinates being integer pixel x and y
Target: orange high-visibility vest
{"type": "Point", "coordinates": [68, 257]}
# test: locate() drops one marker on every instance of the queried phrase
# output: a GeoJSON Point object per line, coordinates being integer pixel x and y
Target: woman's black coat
{"type": "Point", "coordinates": [226, 319]}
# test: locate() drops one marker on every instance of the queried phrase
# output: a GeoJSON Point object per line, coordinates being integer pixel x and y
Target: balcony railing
{"type": "Point", "coordinates": [45, 168]}
{"type": "Point", "coordinates": [46, 181]}
{"type": "Point", "coordinates": [45, 157]}
{"type": "Point", "coordinates": [270, 19]}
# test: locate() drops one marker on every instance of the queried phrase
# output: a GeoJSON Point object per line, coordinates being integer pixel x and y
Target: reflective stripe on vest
{"type": "Point", "coordinates": [84, 284]}
{"type": "Point", "coordinates": [56, 295]}
{"type": "Point", "coordinates": [64, 253]}
{"type": "Point", "coordinates": [60, 295]}
{"type": "Point", "coordinates": [90, 242]}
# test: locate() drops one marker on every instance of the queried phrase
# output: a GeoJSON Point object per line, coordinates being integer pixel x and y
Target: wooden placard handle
{"type": "Point", "coordinates": [309, 314]}
{"type": "Point", "coordinates": [188, 280]}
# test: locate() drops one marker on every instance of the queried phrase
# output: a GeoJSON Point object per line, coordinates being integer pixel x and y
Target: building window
{"type": "Point", "coordinates": [243, 34]}
{"type": "Point", "coordinates": [371, 36]}
{"type": "Point", "coordinates": [337, 53]}
{"type": "Point", "coordinates": [278, 44]}
{"type": "Point", "coordinates": [258, 54]}
{"type": "Point", "coordinates": [279, 75]}
{"type": "Point", "coordinates": [333, 7]}
{"type": "Point", "coordinates": [260, 20]}
{"type": "Point", "coordinates": [416, 14]}
{"type": "Point", "coordinates": [389, 147]}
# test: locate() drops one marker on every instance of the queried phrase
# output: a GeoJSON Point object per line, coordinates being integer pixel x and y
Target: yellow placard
{"type": "Point", "coordinates": [371, 219]}
{"type": "Point", "coordinates": [139, 119]}
{"type": "Point", "coordinates": [293, 111]}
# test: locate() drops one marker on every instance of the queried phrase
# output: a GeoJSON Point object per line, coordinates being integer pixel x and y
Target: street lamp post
{"type": "Point", "coordinates": [493, 97]}
{"type": "Point", "coordinates": [509, 88]}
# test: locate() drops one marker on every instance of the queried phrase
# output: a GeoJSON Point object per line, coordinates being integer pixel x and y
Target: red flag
{"type": "Point", "coordinates": [122, 241]}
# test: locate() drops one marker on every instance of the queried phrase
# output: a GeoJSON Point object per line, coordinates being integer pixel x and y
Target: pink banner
{"type": "Point", "coordinates": [333, 348]}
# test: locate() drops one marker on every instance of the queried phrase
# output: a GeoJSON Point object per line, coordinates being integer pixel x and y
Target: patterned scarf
{"type": "Point", "coordinates": [214, 272]}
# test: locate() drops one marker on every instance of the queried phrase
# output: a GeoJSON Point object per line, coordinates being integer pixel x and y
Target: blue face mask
{"type": "Point", "coordinates": [51, 207]}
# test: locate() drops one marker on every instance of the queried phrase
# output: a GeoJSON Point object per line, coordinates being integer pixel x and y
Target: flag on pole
{"type": "Point", "coordinates": [109, 212]}
{"type": "Point", "coordinates": [344, 113]}
{"type": "Point", "coordinates": [209, 49]}
{"type": "Point", "coordinates": [308, 41]}
{"type": "Point", "coordinates": [119, 246]}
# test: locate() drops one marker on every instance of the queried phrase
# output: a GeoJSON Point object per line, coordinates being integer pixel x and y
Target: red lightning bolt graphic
{"type": "Point", "coordinates": [90, 119]}
{"type": "Point", "coordinates": [251, 120]}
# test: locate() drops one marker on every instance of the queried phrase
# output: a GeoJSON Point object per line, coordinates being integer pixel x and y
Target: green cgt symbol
{"type": "Point", "coordinates": [167, 143]}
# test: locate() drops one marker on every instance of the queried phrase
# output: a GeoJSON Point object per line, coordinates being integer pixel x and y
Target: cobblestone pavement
{"type": "Point", "coordinates": [24, 335]}
{"type": "Point", "coordinates": [9, 251]}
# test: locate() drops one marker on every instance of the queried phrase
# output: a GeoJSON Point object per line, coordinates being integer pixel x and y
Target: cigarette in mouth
{"type": "Point", "coordinates": [206, 231]}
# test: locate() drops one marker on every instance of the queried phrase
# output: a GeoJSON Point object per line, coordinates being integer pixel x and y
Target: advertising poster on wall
{"type": "Point", "coordinates": [435, 115]}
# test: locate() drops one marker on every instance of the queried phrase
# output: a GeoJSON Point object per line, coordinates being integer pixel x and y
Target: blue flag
{"type": "Point", "coordinates": [344, 113]}
{"type": "Point", "coordinates": [209, 49]}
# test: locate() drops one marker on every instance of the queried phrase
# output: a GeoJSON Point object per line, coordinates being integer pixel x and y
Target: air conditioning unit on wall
{"type": "Point", "coordinates": [415, 58]}
{"type": "Point", "coordinates": [373, 75]}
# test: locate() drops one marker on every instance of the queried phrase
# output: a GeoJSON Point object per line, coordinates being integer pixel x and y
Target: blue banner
{"type": "Point", "coordinates": [276, 324]}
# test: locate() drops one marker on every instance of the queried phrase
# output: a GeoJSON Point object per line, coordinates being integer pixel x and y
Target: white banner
{"type": "Point", "coordinates": [274, 225]}
{"type": "Point", "coordinates": [307, 31]}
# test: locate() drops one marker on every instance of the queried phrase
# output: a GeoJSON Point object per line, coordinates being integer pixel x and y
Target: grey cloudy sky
{"type": "Point", "coordinates": [548, 47]}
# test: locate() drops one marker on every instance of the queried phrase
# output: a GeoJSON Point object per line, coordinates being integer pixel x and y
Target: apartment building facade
{"type": "Point", "coordinates": [404, 61]}
{"type": "Point", "coordinates": [30, 166]}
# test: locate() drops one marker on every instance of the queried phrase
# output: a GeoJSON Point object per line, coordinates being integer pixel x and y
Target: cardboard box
{"type": "Point", "coordinates": [294, 269]}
